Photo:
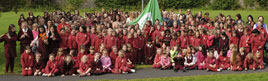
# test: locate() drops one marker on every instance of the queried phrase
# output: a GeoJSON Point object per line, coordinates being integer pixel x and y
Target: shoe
{"type": "Point", "coordinates": [44, 75]}
{"type": "Point", "coordinates": [125, 72]}
{"type": "Point", "coordinates": [218, 70]}
{"type": "Point", "coordinates": [132, 70]}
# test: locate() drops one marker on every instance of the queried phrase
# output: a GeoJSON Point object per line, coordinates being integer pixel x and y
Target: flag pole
{"type": "Point", "coordinates": [142, 5]}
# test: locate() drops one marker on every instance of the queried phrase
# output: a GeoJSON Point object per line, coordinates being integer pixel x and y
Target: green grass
{"type": "Point", "coordinates": [217, 77]}
{"type": "Point", "coordinates": [7, 18]}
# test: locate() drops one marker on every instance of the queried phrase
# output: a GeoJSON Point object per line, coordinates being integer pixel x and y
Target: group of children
{"type": "Point", "coordinates": [60, 43]}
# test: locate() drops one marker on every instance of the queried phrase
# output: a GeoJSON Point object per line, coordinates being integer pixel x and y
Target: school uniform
{"type": "Point", "coordinates": [72, 42]}
{"type": "Point", "coordinates": [179, 63]}
{"type": "Point", "coordinates": [234, 40]}
{"type": "Point", "coordinates": [223, 62]}
{"type": "Point", "coordinates": [245, 42]}
{"type": "Point", "coordinates": [60, 26]}
{"type": "Point", "coordinates": [97, 43]}
{"type": "Point", "coordinates": [26, 41]}
{"type": "Point", "coordinates": [196, 42]}
{"type": "Point", "coordinates": [120, 65]}
{"type": "Point", "coordinates": [51, 67]}
{"type": "Point", "coordinates": [110, 41]}
{"type": "Point", "coordinates": [92, 37]}
{"type": "Point", "coordinates": [82, 39]}
{"type": "Point", "coordinates": [83, 67]}
{"type": "Point", "coordinates": [184, 42]}
{"type": "Point", "coordinates": [27, 61]}
{"type": "Point", "coordinates": [149, 51]}
{"type": "Point", "coordinates": [68, 69]}
{"type": "Point", "coordinates": [210, 40]}
{"type": "Point", "coordinates": [96, 67]}
{"type": "Point", "coordinates": [172, 43]}
{"type": "Point", "coordinates": [204, 39]}
{"type": "Point", "coordinates": [259, 63]}
{"type": "Point", "coordinates": [211, 61]}
{"type": "Point", "coordinates": [223, 43]}
{"type": "Point", "coordinates": [156, 33]}
{"type": "Point", "coordinates": [256, 42]}
{"type": "Point", "coordinates": [113, 57]}
{"type": "Point", "coordinates": [38, 65]}
{"type": "Point", "coordinates": [190, 60]}
{"type": "Point", "coordinates": [79, 56]}
{"type": "Point", "coordinates": [249, 63]}
{"type": "Point", "coordinates": [60, 60]}
{"type": "Point", "coordinates": [157, 61]}
{"type": "Point", "coordinates": [53, 45]}
{"type": "Point", "coordinates": [201, 59]}
{"type": "Point", "coordinates": [238, 65]}
{"type": "Point", "coordinates": [140, 50]}
{"type": "Point", "coordinates": [64, 42]}
{"type": "Point", "coordinates": [10, 51]}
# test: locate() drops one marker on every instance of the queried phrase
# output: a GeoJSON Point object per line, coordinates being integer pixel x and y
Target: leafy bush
{"type": "Point", "coordinates": [225, 5]}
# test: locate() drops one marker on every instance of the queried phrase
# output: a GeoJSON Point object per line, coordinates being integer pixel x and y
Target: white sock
{"type": "Point", "coordinates": [133, 70]}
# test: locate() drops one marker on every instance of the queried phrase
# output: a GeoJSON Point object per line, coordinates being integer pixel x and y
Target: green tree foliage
{"type": "Point", "coordinates": [74, 4]}
{"type": "Point", "coordinates": [263, 4]}
{"type": "Point", "coordinates": [225, 5]}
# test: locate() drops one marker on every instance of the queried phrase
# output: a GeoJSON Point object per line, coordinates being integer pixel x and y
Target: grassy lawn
{"type": "Point", "coordinates": [218, 77]}
{"type": "Point", "coordinates": [7, 18]}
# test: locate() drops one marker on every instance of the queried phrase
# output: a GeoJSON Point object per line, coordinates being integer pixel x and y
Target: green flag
{"type": "Point", "coordinates": [151, 12]}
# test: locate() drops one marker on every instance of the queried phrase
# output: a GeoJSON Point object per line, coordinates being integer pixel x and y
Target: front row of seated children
{"type": "Point", "coordinates": [83, 65]}
{"type": "Point", "coordinates": [208, 60]}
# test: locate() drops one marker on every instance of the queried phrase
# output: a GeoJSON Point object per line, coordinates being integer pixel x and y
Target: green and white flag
{"type": "Point", "coordinates": [151, 12]}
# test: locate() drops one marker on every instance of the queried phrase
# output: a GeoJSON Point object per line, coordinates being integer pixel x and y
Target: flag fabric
{"type": "Point", "coordinates": [151, 12]}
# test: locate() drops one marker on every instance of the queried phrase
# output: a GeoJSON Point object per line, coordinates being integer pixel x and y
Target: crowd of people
{"type": "Point", "coordinates": [61, 43]}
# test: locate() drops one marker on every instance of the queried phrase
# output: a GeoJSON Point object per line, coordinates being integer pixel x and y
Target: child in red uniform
{"type": "Point", "coordinates": [234, 39]}
{"type": "Point", "coordinates": [60, 57]}
{"type": "Point", "coordinates": [38, 64]}
{"type": "Point", "coordinates": [96, 68]}
{"type": "Point", "coordinates": [184, 40]}
{"type": "Point", "coordinates": [109, 40]}
{"type": "Point", "coordinates": [97, 41]}
{"type": "Point", "coordinates": [157, 59]}
{"type": "Point", "coordinates": [121, 64]}
{"type": "Point", "coordinates": [84, 67]}
{"type": "Point", "coordinates": [236, 61]}
{"type": "Point", "coordinates": [201, 57]}
{"type": "Point", "coordinates": [211, 62]}
{"type": "Point", "coordinates": [72, 41]}
{"type": "Point", "coordinates": [223, 62]}
{"type": "Point", "coordinates": [67, 67]}
{"type": "Point", "coordinates": [257, 42]}
{"type": "Point", "coordinates": [82, 38]}
{"type": "Point", "coordinates": [149, 52]}
{"type": "Point", "coordinates": [51, 67]}
{"type": "Point", "coordinates": [258, 61]}
{"type": "Point", "coordinates": [64, 41]}
{"type": "Point", "coordinates": [27, 62]}
{"type": "Point", "coordinates": [10, 39]}
{"type": "Point", "coordinates": [244, 41]}
{"type": "Point", "coordinates": [249, 62]}
{"type": "Point", "coordinates": [81, 53]}
{"type": "Point", "coordinates": [113, 55]}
